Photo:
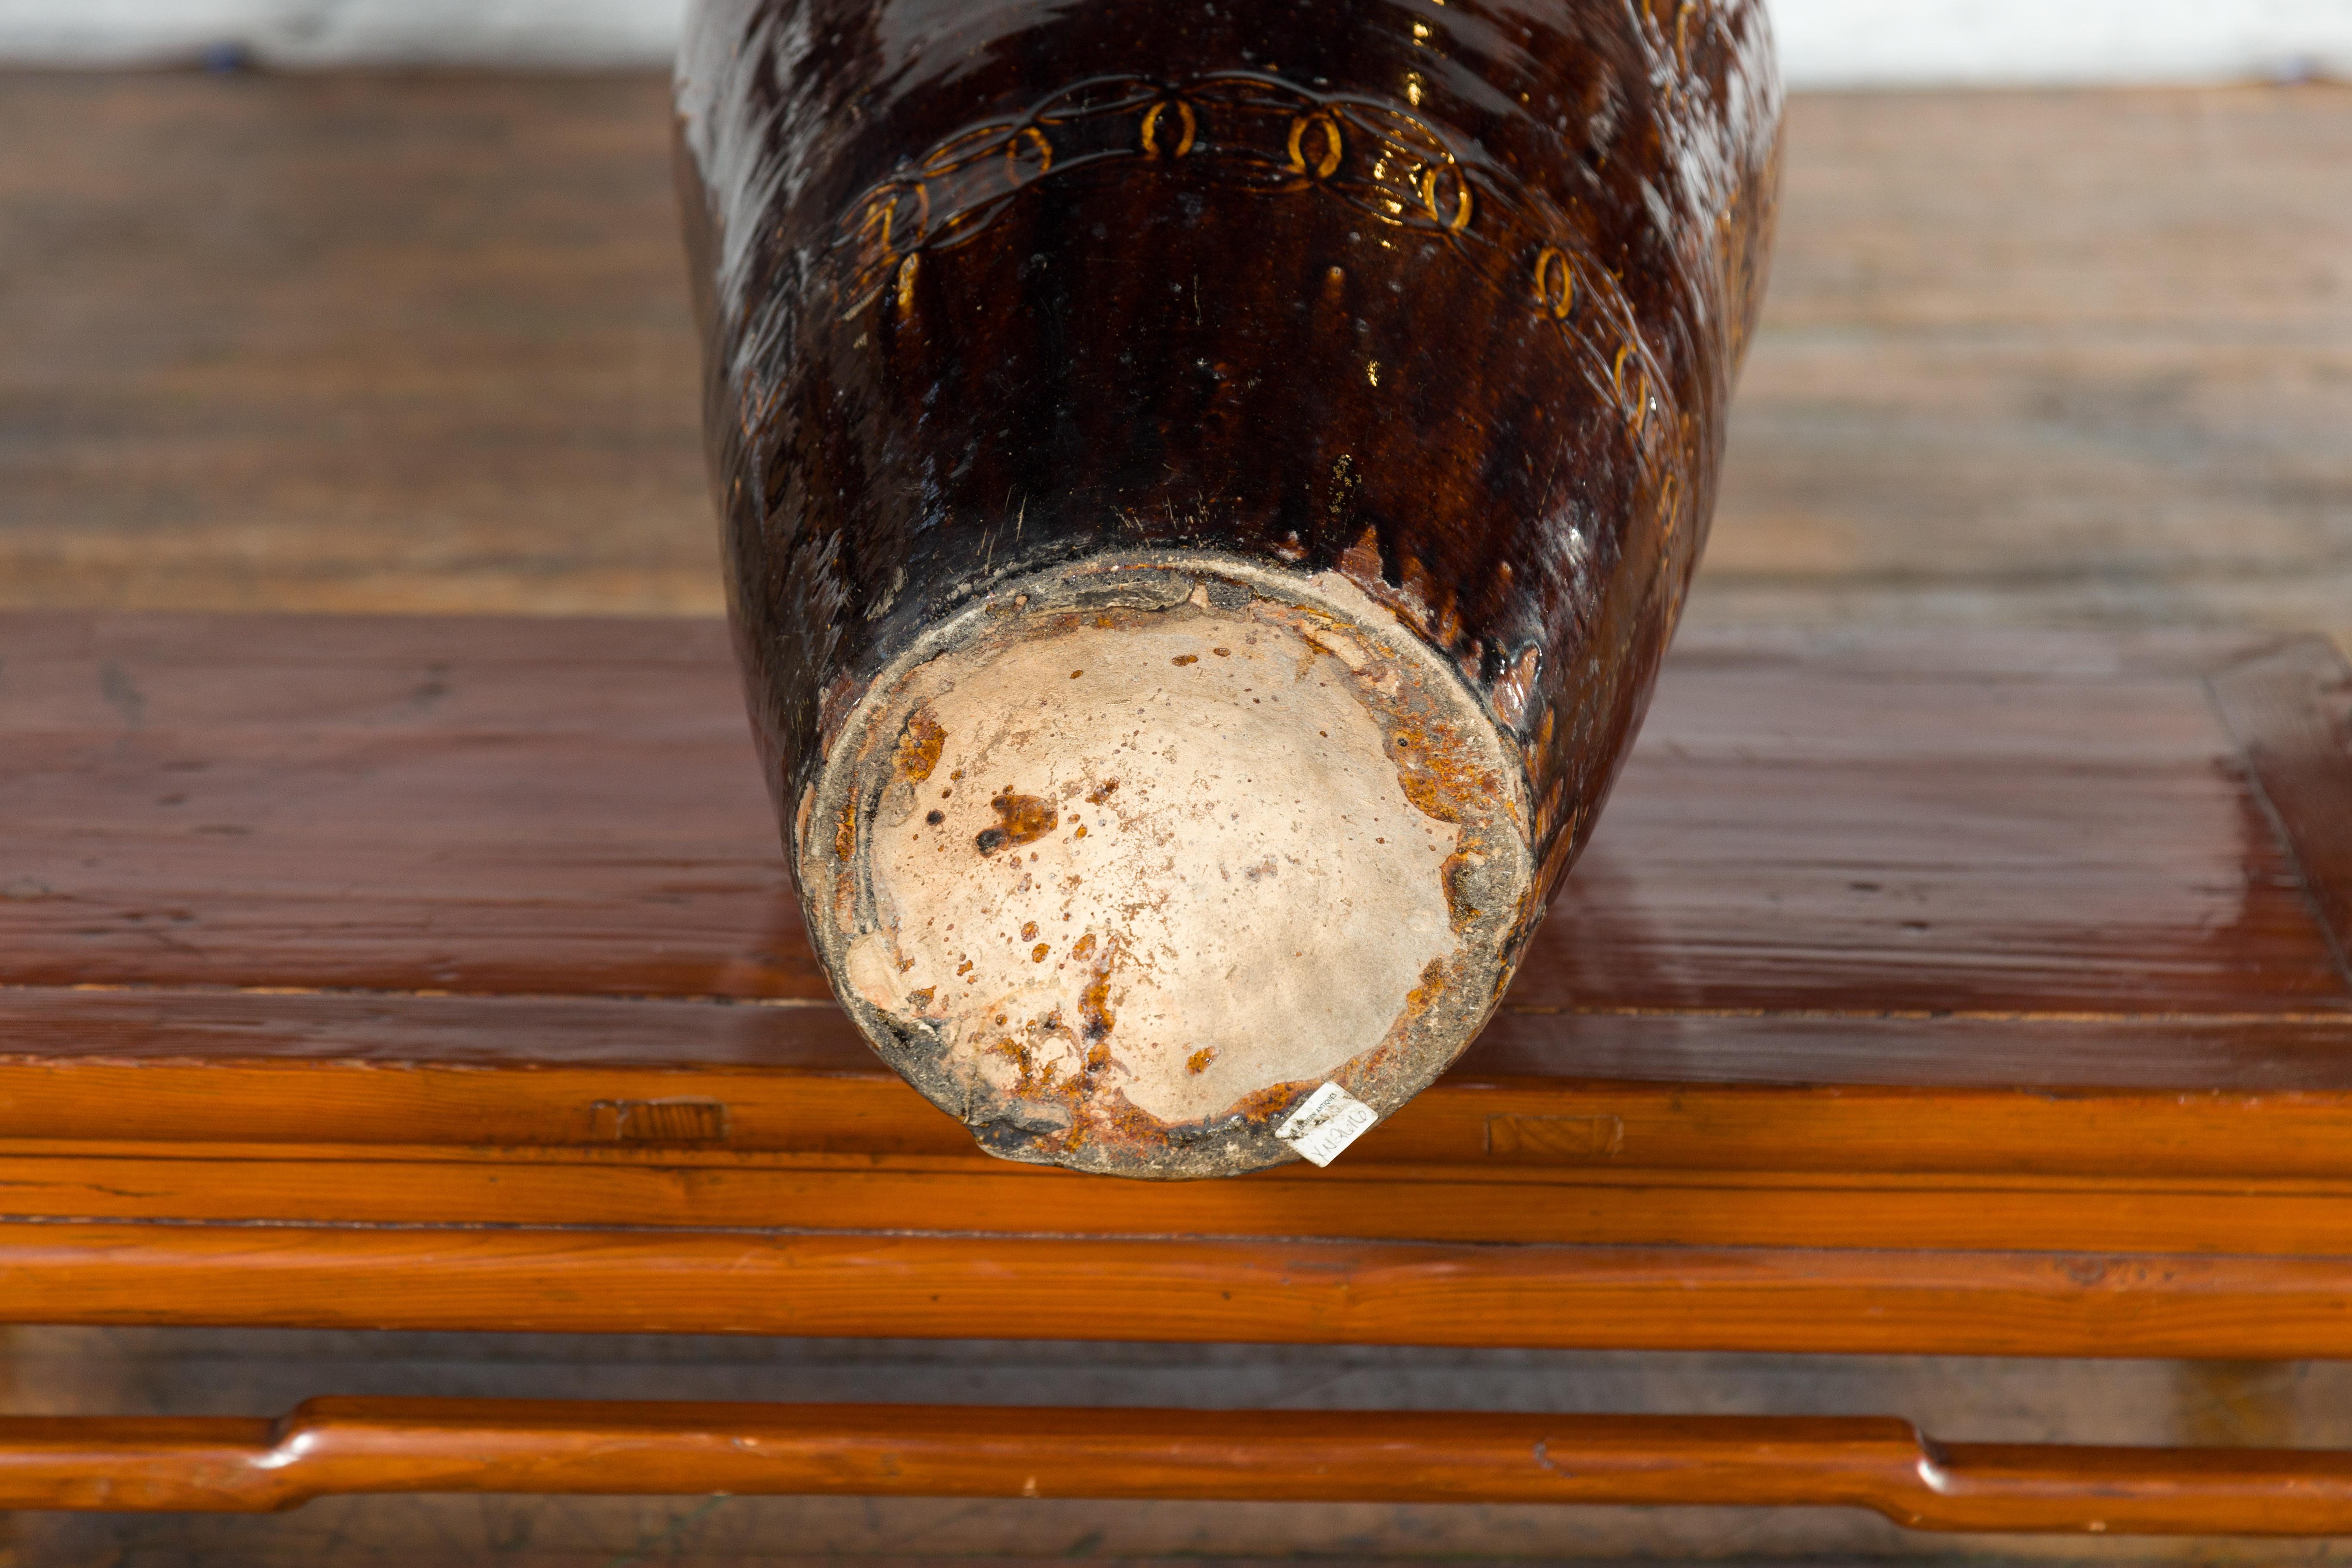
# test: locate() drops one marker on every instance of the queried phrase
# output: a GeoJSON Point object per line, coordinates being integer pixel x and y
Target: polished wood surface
{"type": "Point", "coordinates": [1191, 1291]}
{"type": "Point", "coordinates": [1972, 994]}
{"type": "Point", "coordinates": [1970, 824]}
{"type": "Point", "coordinates": [340, 1446]}
{"type": "Point", "coordinates": [2292, 712]}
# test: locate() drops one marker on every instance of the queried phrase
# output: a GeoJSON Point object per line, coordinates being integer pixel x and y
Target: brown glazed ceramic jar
{"type": "Point", "coordinates": [1206, 487]}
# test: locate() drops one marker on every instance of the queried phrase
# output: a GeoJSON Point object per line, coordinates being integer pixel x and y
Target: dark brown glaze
{"type": "Point", "coordinates": [1448, 298]}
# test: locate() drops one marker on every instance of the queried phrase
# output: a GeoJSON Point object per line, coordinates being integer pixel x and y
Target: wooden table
{"type": "Point", "coordinates": [1951, 992]}
{"type": "Point", "coordinates": [371, 342]}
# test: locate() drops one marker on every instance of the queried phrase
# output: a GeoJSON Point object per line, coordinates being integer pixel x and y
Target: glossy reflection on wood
{"type": "Point", "coordinates": [1958, 823]}
{"type": "Point", "coordinates": [856, 1283]}
{"type": "Point", "coordinates": [1929, 994]}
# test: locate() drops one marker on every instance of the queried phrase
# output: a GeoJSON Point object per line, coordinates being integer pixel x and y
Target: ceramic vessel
{"type": "Point", "coordinates": [1205, 491]}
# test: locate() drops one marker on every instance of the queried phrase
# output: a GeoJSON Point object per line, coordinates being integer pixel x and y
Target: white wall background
{"type": "Point", "coordinates": [1824, 43]}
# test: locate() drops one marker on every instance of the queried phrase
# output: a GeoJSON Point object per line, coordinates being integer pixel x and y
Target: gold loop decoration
{"type": "Point", "coordinates": [881, 214]}
{"type": "Point", "coordinates": [1329, 159]}
{"type": "Point", "coordinates": [882, 239]}
{"type": "Point", "coordinates": [1026, 135]}
{"type": "Point", "coordinates": [1185, 127]}
{"type": "Point", "coordinates": [1502, 234]}
{"type": "Point", "coordinates": [877, 215]}
{"type": "Point", "coordinates": [968, 147]}
{"type": "Point", "coordinates": [1271, 136]}
{"type": "Point", "coordinates": [1557, 297]}
{"type": "Point", "coordinates": [1637, 418]}
{"type": "Point", "coordinates": [1461, 218]}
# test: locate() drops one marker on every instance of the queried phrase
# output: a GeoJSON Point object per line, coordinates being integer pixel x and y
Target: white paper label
{"type": "Point", "coordinates": [1330, 1120]}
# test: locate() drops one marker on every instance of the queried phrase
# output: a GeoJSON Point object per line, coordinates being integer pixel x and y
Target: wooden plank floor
{"type": "Point", "coordinates": [385, 344]}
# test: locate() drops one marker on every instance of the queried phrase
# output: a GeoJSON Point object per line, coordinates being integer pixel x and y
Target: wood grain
{"type": "Point", "coordinates": [2036, 358]}
{"type": "Point", "coordinates": [434, 1076]}
{"type": "Point", "coordinates": [1978, 991]}
{"type": "Point", "coordinates": [341, 342]}
{"type": "Point", "coordinates": [624, 1187]}
{"type": "Point", "coordinates": [343, 1446]}
{"type": "Point", "coordinates": [1175, 1289]}
{"type": "Point", "coordinates": [1819, 834]}
{"type": "Point", "coordinates": [421, 343]}
{"type": "Point", "coordinates": [403, 344]}
{"type": "Point", "coordinates": [2291, 709]}
{"type": "Point", "coordinates": [157, 1071]}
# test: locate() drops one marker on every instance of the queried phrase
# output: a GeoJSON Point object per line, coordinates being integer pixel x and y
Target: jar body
{"type": "Point", "coordinates": [1160, 448]}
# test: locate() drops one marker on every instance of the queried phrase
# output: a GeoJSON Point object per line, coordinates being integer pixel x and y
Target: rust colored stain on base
{"type": "Point", "coordinates": [1021, 819]}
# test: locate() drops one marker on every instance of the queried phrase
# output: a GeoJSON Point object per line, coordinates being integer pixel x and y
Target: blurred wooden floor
{"type": "Point", "coordinates": [385, 344]}
{"type": "Point", "coordinates": [406, 343]}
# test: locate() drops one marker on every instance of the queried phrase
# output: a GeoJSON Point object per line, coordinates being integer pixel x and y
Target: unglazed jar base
{"type": "Point", "coordinates": [1120, 865]}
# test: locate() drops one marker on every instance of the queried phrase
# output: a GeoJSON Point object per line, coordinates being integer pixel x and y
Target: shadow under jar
{"type": "Point", "coordinates": [1206, 488]}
